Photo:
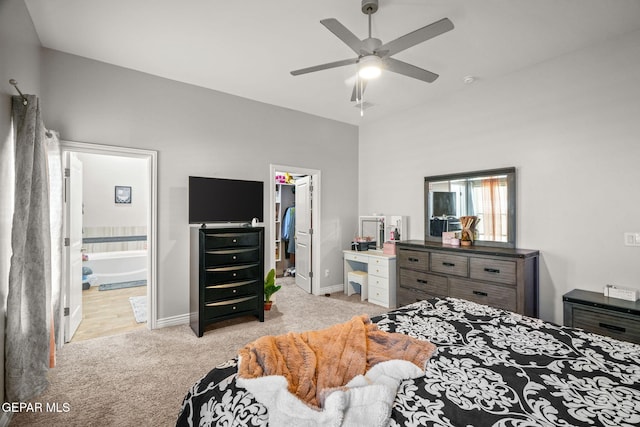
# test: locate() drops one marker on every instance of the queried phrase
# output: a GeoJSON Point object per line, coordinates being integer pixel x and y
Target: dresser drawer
{"type": "Point", "coordinates": [407, 296]}
{"type": "Point", "coordinates": [231, 240]}
{"type": "Point", "coordinates": [217, 275]}
{"type": "Point", "coordinates": [493, 270]}
{"type": "Point", "coordinates": [377, 281]}
{"type": "Point", "coordinates": [484, 293]}
{"type": "Point", "coordinates": [227, 307]}
{"type": "Point", "coordinates": [610, 324]}
{"type": "Point", "coordinates": [430, 283]}
{"type": "Point", "coordinates": [379, 294]}
{"type": "Point", "coordinates": [219, 257]}
{"type": "Point", "coordinates": [416, 260]}
{"type": "Point", "coordinates": [230, 290]}
{"type": "Point", "coordinates": [450, 264]}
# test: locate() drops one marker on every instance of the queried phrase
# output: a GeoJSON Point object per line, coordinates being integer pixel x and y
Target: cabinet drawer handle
{"type": "Point", "coordinates": [411, 259]}
{"type": "Point", "coordinates": [480, 293]}
{"type": "Point", "coordinates": [492, 270]}
{"type": "Point", "coordinates": [235, 257]}
{"type": "Point", "coordinates": [234, 307]}
{"type": "Point", "coordinates": [613, 327]}
{"type": "Point", "coordinates": [235, 290]}
{"type": "Point", "coordinates": [235, 240]}
{"type": "Point", "coordinates": [448, 264]}
{"type": "Point", "coordinates": [424, 282]}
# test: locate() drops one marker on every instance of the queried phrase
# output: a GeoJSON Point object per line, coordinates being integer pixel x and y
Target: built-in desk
{"type": "Point", "coordinates": [381, 270]}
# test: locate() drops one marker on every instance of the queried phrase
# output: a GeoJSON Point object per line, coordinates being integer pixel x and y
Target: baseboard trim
{"type": "Point", "coordinates": [330, 289]}
{"type": "Point", "coordinates": [181, 319]}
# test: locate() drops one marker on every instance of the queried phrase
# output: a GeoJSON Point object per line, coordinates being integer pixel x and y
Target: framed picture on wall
{"type": "Point", "coordinates": [123, 194]}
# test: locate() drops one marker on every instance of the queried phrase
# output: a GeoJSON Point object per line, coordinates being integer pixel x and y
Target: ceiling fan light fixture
{"type": "Point", "coordinates": [369, 67]}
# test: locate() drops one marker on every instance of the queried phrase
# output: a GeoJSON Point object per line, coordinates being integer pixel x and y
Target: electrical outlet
{"type": "Point", "coordinates": [631, 239]}
{"type": "Point", "coordinates": [326, 273]}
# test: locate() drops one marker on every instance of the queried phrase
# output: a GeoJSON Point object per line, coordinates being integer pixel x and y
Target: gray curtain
{"type": "Point", "coordinates": [28, 322]}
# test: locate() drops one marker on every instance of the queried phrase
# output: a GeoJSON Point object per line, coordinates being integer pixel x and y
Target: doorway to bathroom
{"type": "Point", "coordinates": [110, 217]}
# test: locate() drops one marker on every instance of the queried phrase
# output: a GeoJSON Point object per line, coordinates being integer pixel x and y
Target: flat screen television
{"type": "Point", "coordinates": [444, 203]}
{"type": "Point", "coordinates": [225, 200]}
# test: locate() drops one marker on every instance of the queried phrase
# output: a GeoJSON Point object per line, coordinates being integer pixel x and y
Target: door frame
{"type": "Point", "coordinates": [316, 217]}
{"type": "Point", "coordinates": [151, 157]}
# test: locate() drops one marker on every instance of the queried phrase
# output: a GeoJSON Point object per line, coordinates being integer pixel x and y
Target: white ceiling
{"type": "Point", "coordinates": [248, 47]}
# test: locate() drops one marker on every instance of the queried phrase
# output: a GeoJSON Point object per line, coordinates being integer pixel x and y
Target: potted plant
{"type": "Point", "coordinates": [270, 288]}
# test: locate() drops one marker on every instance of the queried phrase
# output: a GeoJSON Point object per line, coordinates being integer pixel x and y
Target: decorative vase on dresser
{"type": "Point", "coordinates": [500, 277]}
{"type": "Point", "coordinates": [226, 277]}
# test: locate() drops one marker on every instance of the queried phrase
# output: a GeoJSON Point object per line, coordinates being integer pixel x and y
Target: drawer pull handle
{"type": "Point", "coordinates": [235, 290]}
{"type": "Point", "coordinates": [613, 327]}
{"type": "Point", "coordinates": [234, 307]}
{"type": "Point", "coordinates": [235, 241]}
{"type": "Point", "coordinates": [448, 264]}
{"type": "Point", "coordinates": [492, 270]}
{"type": "Point", "coordinates": [411, 259]}
{"type": "Point", "coordinates": [480, 293]}
{"type": "Point", "coordinates": [424, 282]}
{"type": "Point", "coordinates": [235, 257]}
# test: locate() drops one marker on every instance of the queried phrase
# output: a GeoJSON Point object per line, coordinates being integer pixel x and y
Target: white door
{"type": "Point", "coordinates": [73, 245]}
{"type": "Point", "coordinates": [304, 232]}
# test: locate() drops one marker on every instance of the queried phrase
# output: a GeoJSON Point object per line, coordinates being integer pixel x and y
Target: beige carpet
{"type": "Point", "coordinates": [139, 378]}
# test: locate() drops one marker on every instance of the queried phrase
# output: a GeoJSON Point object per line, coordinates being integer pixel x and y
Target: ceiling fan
{"type": "Point", "coordinates": [373, 55]}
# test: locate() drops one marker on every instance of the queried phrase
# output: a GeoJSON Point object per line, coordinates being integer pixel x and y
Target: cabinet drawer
{"type": "Point", "coordinates": [417, 260]}
{"type": "Point", "coordinates": [216, 275]}
{"type": "Point", "coordinates": [379, 295]}
{"type": "Point", "coordinates": [409, 295]}
{"type": "Point", "coordinates": [378, 270]}
{"type": "Point", "coordinates": [231, 240]}
{"type": "Point", "coordinates": [231, 256]}
{"type": "Point", "coordinates": [350, 256]}
{"type": "Point", "coordinates": [493, 270]}
{"type": "Point", "coordinates": [377, 281]}
{"type": "Point", "coordinates": [612, 325]}
{"type": "Point", "coordinates": [450, 264]}
{"type": "Point", "coordinates": [484, 293]}
{"type": "Point", "coordinates": [232, 306]}
{"type": "Point", "coordinates": [430, 283]}
{"type": "Point", "coordinates": [230, 290]}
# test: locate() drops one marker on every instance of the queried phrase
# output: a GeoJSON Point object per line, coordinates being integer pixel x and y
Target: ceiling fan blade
{"type": "Point", "coordinates": [324, 66]}
{"type": "Point", "coordinates": [358, 90]}
{"type": "Point", "coordinates": [409, 70]}
{"type": "Point", "coordinates": [343, 33]}
{"type": "Point", "coordinates": [415, 37]}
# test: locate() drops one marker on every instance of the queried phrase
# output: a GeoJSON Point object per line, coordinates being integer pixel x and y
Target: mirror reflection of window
{"type": "Point", "coordinates": [489, 197]}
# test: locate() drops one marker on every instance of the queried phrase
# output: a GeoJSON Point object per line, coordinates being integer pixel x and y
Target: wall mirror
{"type": "Point", "coordinates": [490, 195]}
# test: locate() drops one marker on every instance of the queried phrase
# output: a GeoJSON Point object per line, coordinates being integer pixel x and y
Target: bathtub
{"type": "Point", "coordinates": [117, 266]}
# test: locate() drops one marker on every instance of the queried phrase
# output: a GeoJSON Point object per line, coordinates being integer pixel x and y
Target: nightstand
{"type": "Point", "coordinates": [594, 312]}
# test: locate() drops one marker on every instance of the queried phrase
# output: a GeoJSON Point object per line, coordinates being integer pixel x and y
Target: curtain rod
{"type": "Point", "coordinates": [15, 84]}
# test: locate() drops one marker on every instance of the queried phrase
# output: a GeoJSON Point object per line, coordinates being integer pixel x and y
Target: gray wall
{"type": "Point", "coordinates": [205, 133]}
{"type": "Point", "coordinates": [570, 126]}
{"type": "Point", "coordinates": [20, 60]}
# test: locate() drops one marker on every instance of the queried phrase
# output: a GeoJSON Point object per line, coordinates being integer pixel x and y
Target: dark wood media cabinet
{"type": "Point", "coordinates": [500, 277]}
{"type": "Point", "coordinates": [226, 278]}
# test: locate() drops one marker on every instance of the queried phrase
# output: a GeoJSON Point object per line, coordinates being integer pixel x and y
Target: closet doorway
{"type": "Point", "coordinates": [295, 215]}
{"type": "Point", "coordinates": [117, 223]}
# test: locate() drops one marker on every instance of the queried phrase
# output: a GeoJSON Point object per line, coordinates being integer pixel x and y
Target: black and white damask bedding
{"type": "Point", "coordinates": [492, 368]}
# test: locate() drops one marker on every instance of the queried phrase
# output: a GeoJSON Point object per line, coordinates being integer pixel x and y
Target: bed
{"type": "Point", "coordinates": [491, 368]}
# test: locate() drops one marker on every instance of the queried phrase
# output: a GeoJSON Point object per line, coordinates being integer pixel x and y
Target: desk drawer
{"type": "Point", "coordinates": [416, 260]}
{"type": "Point", "coordinates": [484, 293]}
{"type": "Point", "coordinates": [450, 264]}
{"type": "Point", "coordinates": [378, 270]}
{"type": "Point", "coordinates": [612, 325]}
{"type": "Point", "coordinates": [351, 256]}
{"type": "Point", "coordinates": [379, 282]}
{"type": "Point", "coordinates": [379, 295]}
{"type": "Point", "coordinates": [493, 270]}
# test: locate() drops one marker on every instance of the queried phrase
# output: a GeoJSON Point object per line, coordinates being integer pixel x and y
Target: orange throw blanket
{"type": "Point", "coordinates": [315, 362]}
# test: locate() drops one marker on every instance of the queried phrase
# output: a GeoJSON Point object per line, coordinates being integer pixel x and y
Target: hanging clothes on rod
{"type": "Point", "coordinates": [289, 230]}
